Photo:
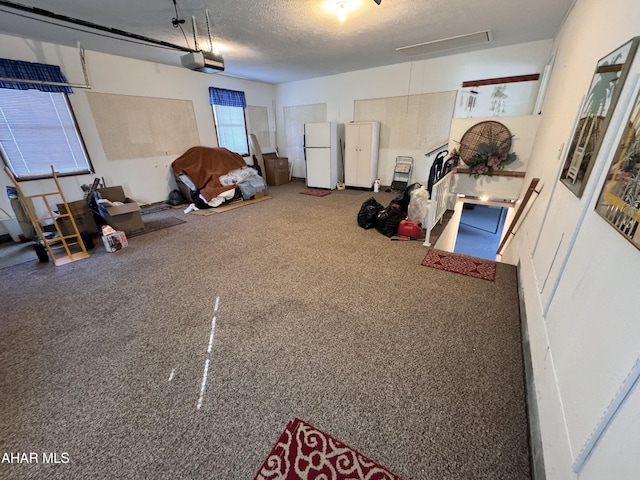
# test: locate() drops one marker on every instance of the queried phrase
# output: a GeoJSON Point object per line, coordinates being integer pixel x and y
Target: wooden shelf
{"type": "Point", "coordinates": [499, 173]}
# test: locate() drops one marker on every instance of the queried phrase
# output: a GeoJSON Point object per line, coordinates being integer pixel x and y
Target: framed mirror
{"type": "Point", "coordinates": [619, 200]}
{"type": "Point", "coordinates": [594, 116]}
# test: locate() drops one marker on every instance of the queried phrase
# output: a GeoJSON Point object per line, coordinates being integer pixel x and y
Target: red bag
{"type": "Point", "coordinates": [409, 229]}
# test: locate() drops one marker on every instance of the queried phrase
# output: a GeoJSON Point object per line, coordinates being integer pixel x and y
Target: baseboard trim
{"type": "Point", "coordinates": [535, 435]}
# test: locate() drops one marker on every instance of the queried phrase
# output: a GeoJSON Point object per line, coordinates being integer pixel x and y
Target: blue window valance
{"type": "Point", "coordinates": [227, 98]}
{"type": "Point", "coordinates": [39, 72]}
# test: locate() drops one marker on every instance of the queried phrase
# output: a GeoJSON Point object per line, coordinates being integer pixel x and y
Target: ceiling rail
{"type": "Point", "coordinates": [76, 21]}
{"type": "Point", "coordinates": [83, 63]}
{"type": "Point", "coordinates": [44, 82]}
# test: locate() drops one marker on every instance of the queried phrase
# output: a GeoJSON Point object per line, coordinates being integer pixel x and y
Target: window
{"type": "Point", "coordinates": [37, 130]}
{"type": "Point", "coordinates": [230, 125]}
{"type": "Point", "coordinates": [37, 127]}
{"type": "Point", "coordinates": [228, 113]}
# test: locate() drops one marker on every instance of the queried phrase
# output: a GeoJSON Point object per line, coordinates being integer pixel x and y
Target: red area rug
{"type": "Point", "coordinates": [305, 453]}
{"type": "Point", "coordinates": [316, 193]}
{"type": "Point", "coordinates": [462, 264]}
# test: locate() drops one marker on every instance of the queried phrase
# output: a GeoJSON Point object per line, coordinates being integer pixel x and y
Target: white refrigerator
{"type": "Point", "coordinates": [322, 153]}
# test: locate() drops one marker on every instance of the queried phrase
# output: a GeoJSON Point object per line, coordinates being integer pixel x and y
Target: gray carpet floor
{"type": "Point", "coordinates": [12, 253]}
{"type": "Point", "coordinates": [291, 310]}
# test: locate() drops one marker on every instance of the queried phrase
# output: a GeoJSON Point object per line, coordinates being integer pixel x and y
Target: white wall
{"type": "Point", "coordinates": [421, 76]}
{"type": "Point", "coordinates": [579, 277]}
{"type": "Point", "coordinates": [146, 180]}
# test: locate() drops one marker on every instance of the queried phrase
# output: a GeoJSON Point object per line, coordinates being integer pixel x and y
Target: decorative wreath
{"type": "Point", "coordinates": [486, 147]}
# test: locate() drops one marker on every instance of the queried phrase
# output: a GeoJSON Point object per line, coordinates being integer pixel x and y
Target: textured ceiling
{"type": "Point", "coordinates": [285, 40]}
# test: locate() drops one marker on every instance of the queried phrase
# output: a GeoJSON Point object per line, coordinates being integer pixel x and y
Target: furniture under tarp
{"type": "Point", "coordinates": [215, 172]}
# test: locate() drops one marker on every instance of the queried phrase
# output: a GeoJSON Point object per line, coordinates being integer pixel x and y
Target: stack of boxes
{"type": "Point", "coordinates": [125, 217]}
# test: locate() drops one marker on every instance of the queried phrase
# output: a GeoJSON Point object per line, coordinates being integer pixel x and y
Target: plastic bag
{"type": "Point", "coordinates": [389, 219]}
{"type": "Point", "coordinates": [369, 213]}
{"type": "Point", "coordinates": [176, 198]}
{"type": "Point", "coordinates": [418, 205]}
{"type": "Point", "coordinates": [404, 199]}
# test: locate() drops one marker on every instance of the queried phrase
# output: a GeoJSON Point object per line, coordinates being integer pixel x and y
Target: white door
{"type": "Point", "coordinates": [365, 175]}
{"type": "Point", "coordinates": [318, 167]}
{"type": "Point", "coordinates": [317, 135]}
{"type": "Point", "coordinates": [361, 166]}
{"type": "Point", "coordinates": [351, 156]}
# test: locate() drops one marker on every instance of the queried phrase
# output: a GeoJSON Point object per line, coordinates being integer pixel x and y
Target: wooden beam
{"type": "Point", "coordinates": [495, 81]}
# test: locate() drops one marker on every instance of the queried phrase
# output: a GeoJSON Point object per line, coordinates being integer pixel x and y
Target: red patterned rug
{"type": "Point", "coordinates": [305, 453]}
{"type": "Point", "coordinates": [463, 264]}
{"type": "Point", "coordinates": [316, 193]}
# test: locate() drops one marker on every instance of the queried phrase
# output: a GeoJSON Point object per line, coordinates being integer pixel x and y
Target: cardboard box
{"type": "Point", "coordinates": [125, 217]}
{"type": "Point", "coordinates": [115, 194]}
{"type": "Point", "coordinates": [277, 170]}
{"type": "Point", "coordinates": [81, 214]}
{"type": "Point", "coordinates": [79, 208]}
{"type": "Point", "coordinates": [115, 241]}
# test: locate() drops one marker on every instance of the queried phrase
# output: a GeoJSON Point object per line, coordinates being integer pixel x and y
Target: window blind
{"type": "Point", "coordinates": [37, 130]}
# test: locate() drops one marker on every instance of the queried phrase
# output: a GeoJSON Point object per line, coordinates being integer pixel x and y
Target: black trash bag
{"type": "Point", "coordinates": [176, 198]}
{"type": "Point", "coordinates": [403, 200]}
{"type": "Point", "coordinates": [369, 213]}
{"type": "Point", "coordinates": [389, 219]}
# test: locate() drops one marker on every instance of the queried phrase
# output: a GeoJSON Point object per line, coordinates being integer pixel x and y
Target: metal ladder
{"type": "Point", "coordinates": [402, 173]}
{"type": "Point", "coordinates": [62, 249]}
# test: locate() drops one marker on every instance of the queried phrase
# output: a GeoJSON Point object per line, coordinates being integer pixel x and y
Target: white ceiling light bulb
{"type": "Point", "coordinates": [342, 10]}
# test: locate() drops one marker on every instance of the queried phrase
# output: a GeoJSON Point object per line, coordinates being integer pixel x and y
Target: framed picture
{"type": "Point", "coordinates": [594, 115]}
{"type": "Point", "coordinates": [619, 200]}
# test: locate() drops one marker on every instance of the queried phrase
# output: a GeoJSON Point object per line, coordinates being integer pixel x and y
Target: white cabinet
{"type": "Point", "coordinates": [361, 153]}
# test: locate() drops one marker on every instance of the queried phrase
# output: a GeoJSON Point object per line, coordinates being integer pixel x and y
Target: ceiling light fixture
{"type": "Point", "coordinates": [342, 10]}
